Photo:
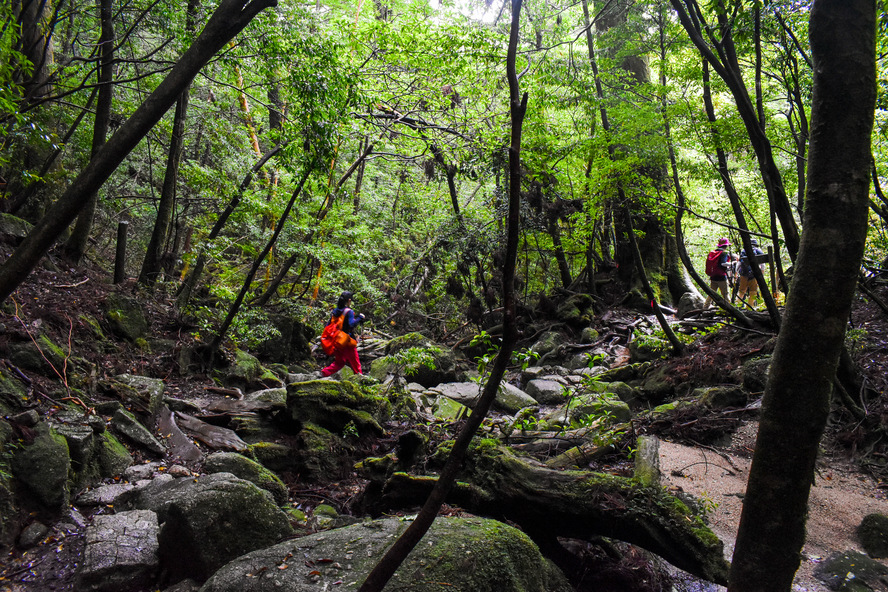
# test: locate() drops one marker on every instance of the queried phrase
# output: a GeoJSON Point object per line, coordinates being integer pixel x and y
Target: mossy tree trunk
{"type": "Point", "coordinates": [795, 405]}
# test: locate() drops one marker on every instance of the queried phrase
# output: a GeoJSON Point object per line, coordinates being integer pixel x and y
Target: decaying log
{"type": "Point", "coordinates": [547, 503]}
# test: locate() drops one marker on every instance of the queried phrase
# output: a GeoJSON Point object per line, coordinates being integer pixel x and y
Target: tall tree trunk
{"type": "Point", "coordinates": [228, 20]}
{"type": "Point", "coordinates": [396, 554]}
{"type": "Point", "coordinates": [722, 57]}
{"type": "Point", "coordinates": [257, 263]}
{"type": "Point", "coordinates": [151, 265]}
{"type": "Point", "coordinates": [36, 22]}
{"type": "Point", "coordinates": [795, 405]}
{"type": "Point", "coordinates": [77, 242]}
{"type": "Point", "coordinates": [658, 244]}
{"type": "Point", "coordinates": [188, 285]}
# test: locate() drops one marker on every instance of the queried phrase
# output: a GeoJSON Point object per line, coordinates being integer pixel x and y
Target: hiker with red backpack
{"type": "Point", "coordinates": [339, 339]}
{"type": "Point", "coordinates": [718, 266]}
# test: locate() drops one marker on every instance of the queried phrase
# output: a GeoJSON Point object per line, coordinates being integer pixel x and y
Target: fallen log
{"type": "Point", "coordinates": [583, 505]}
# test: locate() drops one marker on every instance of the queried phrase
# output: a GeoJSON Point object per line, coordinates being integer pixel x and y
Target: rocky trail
{"type": "Point", "coordinates": [580, 405]}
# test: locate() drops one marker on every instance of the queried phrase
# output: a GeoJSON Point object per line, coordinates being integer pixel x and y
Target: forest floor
{"type": "Point", "coordinates": [842, 495]}
{"type": "Point", "coordinates": [52, 301]}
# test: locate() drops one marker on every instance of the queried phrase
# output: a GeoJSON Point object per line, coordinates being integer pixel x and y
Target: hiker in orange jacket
{"type": "Point", "coordinates": [346, 354]}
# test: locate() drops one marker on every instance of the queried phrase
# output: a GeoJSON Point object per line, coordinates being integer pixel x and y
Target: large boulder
{"type": "Point", "coordinates": [459, 553]}
{"type": "Point", "coordinates": [126, 317]}
{"type": "Point", "coordinates": [244, 468]}
{"type": "Point", "coordinates": [244, 371]}
{"type": "Point", "coordinates": [44, 466]}
{"type": "Point", "coordinates": [292, 344]}
{"type": "Point", "coordinates": [755, 374]}
{"type": "Point", "coordinates": [208, 521]}
{"type": "Point", "coordinates": [873, 535]}
{"type": "Point", "coordinates": [120, 553]}
{"type": "Point", "coordinates": [334, 404]}
{"type": "Point", "coordinates": [435, 365]}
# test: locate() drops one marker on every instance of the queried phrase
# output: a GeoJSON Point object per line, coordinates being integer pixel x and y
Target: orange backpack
{"type": "Point", "coordinates": [333, 337]}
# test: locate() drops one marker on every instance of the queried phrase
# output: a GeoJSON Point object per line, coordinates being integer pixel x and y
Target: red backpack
{"type": "Point", "coordinates": [333, 337]}
{"type": "Point", "coordinates": [712, 260]}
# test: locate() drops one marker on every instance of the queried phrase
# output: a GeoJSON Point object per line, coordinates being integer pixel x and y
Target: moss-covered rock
{"type": "Point", "coordinates": [13, 395]}
{"type": "Point", "coordinates": [44, 467]}
{"type": "Point", "coordinates": [245, 372]}
{"type": "Point", "coordinates": [242, 467]}
{"type": "Point", "coordinates": [755, 374]}
{"type": "Point", "coordinates": [646, 349]}
{"type": "Point", "coordinates": [13, 227]}
{"type": "Point", "coordinates": [576, 311]}
{"type": "Point", "coordinates": [719, 397]}
{"type": "Point", "coordinates": [149, 390]}
{"type": "Point", "coordinates": [334, 405]}
{"type": "Point", "coordinates": [41, 355]}
{"type": "Point", "coordinates": [113, 458]}
{"type": "Point", "coordinates": [208, 521]}
{"type": "Point", "coordinates": [126, 317]}
{"type": "Point", "coordinates": [438, 364]}
{"type": "Point", "coordinates": [463, 553]}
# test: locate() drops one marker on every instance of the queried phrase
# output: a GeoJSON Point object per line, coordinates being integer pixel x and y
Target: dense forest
{"type": "Point", "coordinates": [466, 168]}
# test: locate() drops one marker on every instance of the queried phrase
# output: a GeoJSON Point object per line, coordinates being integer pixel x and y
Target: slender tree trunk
{"type": "Point", "coordinates": [385, 569]}
{"type": "Point", "coordinates": [235, 306]}
{"type": "Point", "coordinates": [77, 242]}
{"type": "Point", "coordinates": [228, 20]}
{"type": "Point", "coordinates": [734, 197]}
{"type": "Point", "coordinates": [187, 287]}
{"type": "Point", "coordinates": [151, 265]}
{"type": "Point", "coordinates": [795, 405]}
{"type": "Point", "coordinates": [724, 61]}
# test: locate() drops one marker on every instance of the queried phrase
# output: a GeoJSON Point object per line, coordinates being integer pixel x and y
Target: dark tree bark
{"type": "Point", "coordinates": [796, 400]}
{"type": "Point", "coordinates": [257, 263]}
{"type": "Point", "coordinates": [660, 255]}
{"type": "Point", "coordinates": [716, 46]}
{"type": "Point", "coordinates": [228, 20]}
{"type": "Point", "coordinates": [396, 554]}
{"type": "Point", "coordinates": [77, 242]}
{"type": "Point", "coordinates": [151, 264]}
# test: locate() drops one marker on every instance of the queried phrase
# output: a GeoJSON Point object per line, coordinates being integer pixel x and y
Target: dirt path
{"type": "Point", "coordinates": [839, 500]}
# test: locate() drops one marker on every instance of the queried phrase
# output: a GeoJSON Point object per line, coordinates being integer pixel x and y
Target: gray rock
{"type": "Point", "coordinates": [208, 521]}
{"type": "Point", "coordinates": [275, 396]}
{"type": "Point", "coordinates": [28, 418]}
{"type": "Point", "coordinates": [121, 552]}
{"type": "Point", "coordinates": [467, 553]}
{"type": "Point", "coordinates": [548, 342]}
{"type": "Point", "coordinates": [14, 227]}
{"type": "Point", "coordinates": [465, 393]}
{"type": "Point", "coordinates": [718, 397]}
{"type": "Point", "coordinates": [32, 535]}
{"type": "Point", "coordinates": [755, 374]}
{"type": "Point", "coordinates": [242, 467]}
{"type": "Point", "coordinates": [689, 301]}
{"type": "Point", "coordinates": [546, 391]}
{"type": "Point", "coordinates": [140, 472]}
{"type": "Point", "coordinates": [150, 389]}
{"type": "Point", "coordinates": [589, 335]}
{"type": "Point", "coordinates": [512, 399]}
{"type": "Point", "coordinates": [103, 495]}
{"type": "Point", "coordinates": [850, 572]}
{"type": "Point", "coordinates": [127, 425]}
